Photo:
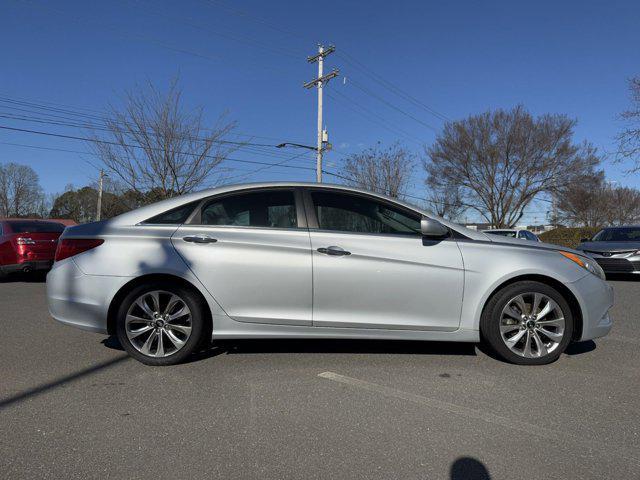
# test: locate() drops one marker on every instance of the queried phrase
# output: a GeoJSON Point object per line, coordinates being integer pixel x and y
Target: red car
{"type": "Point", "coordinates": [28, 245]}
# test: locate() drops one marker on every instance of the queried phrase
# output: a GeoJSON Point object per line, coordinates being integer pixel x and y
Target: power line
{"type": "Point", "coordinates": [148, 39]}
{"type": "Point", "coordinates": [249, 148]}
{"type": "Point", "coordinates": [249, 173]}
{"type": "Point", "coordinates": [80, 152]}
{"type": "Point", "coordinates": [368, 114]}
{"type": "Point", "coordinates": [241, 39]}
{"type": "Point", "coordinates": [106, 142]}
{"type": "Point", "coordinates": [108, 124]}
{"type": "Point", "coordinates": [256, 18]}
{"type": "Point", "coordinates": [391, 105]}
{"type": "Point", "coordinates": [391, 87]}
{"type": "Point", "coordinates": [73, 109]}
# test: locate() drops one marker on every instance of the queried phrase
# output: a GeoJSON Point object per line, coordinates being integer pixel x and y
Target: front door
{"type": "Point", "coordinates": [373, 269]}
{"type": "Point", "coordinates": [251, 251]}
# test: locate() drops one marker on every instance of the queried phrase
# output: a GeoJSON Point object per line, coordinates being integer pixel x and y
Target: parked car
{"type": "Point", "coordinates": [616, 249]}
{"type": "Point", "coordinates": [298, 260]}
{"type": "Point", "coordinates": [514, 233]}
{"type": "Point", "coordinates": [27, 245]}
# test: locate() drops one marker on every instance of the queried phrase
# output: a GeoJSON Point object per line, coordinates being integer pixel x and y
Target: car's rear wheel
{"type": "Point", "coordinates": [161, 323]}
{"type": "Point", "coordinates": [527, 323]}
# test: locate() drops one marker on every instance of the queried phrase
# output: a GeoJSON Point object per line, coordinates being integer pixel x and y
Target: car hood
{"type": "Point", "coordinates": [609, 246]}
{"type": "Point", "coordinates": [519, 242]}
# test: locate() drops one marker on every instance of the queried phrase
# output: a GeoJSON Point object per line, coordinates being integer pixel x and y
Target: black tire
{"type": "Point", "coordinates": [200, 325]}
{"type": "Point", "coordinates": [490, 322]}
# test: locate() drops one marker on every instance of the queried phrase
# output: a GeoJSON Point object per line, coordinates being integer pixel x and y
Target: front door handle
{"type": "Point", "coordinates": [333, 250]}
{"type": "Point", "coordinates": [200, 239]}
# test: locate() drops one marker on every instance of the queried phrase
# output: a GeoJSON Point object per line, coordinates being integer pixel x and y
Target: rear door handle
{"type": "Point", "coordinates": [333, 250]}
{"type": "Point", "coordinates": [200, 239]}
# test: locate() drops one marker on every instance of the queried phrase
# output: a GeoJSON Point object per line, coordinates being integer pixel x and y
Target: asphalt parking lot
{"type": "Point", "coordinates": [73, 405]}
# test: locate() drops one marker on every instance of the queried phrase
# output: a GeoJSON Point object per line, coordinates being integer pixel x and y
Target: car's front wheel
{"type": "Point", "coordinates": [527, 323]}
{"type": "Point", "coordinates": [161, 323]}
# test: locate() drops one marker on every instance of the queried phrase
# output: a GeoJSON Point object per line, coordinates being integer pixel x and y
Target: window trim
{"type": "Point", "coordinates": [195, 218]}
{"type": "Point", "coordinates": [313, 220]}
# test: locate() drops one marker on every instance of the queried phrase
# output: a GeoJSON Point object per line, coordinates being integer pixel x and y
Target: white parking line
{"type": "Point", "coordinates": [439, 404]}
{"type": "Point", "coordinates": [596, 447]}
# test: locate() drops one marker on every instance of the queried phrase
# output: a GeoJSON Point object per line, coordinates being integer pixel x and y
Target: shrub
{"type": "Point", "coordinates": [568, 237]}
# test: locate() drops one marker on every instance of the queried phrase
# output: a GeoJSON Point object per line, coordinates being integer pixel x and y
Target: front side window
{"type": "Point", "coordinates": [275, 209]}
{"type": "Point", "coordinates": [351, 213]}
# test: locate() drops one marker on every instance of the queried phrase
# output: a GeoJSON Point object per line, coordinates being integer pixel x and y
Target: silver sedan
{"type": "Point", "coordinates": [297, 260]}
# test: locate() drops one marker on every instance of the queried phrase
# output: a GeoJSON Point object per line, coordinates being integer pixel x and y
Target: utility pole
{"type": "Point", "coordinates": [319, 83]}
{"type": "Point", "coordinates": [99, 206]}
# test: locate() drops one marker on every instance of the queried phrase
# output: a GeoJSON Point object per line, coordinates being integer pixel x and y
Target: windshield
{"type": "Point", "coordinates": [36, 227]}
{"type": "Point", "coordinates": [504, 233]}
{"type": "Point", "coordinates": [618, 234]}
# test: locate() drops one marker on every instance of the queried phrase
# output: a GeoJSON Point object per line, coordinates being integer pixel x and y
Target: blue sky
{"type": "Point", "coordinates": [249, 58]}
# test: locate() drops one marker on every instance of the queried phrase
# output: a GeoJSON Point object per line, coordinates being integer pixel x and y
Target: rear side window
{"type": "Point", "coordinates": [175, 216]}
{"type": "Point", "coordinates": [275, 209]}
{"type": "Point", "coordinates": [36, 227]}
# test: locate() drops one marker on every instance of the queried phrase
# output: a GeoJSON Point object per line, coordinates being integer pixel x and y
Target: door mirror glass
{"type": "Point", "coordinates": [432, 228]}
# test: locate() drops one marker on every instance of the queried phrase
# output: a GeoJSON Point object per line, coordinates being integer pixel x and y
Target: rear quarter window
{"type": "Point", "coordinates": [175, 216]}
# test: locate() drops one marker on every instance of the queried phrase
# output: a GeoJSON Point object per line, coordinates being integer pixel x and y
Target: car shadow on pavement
{"type": "Point", "coordinates": [32, 277]}
{"type": "Point", "coordinates": [468, 468]}
{"type": "Point", "coordinates": [347, 346]}
{"type": "Point", "coordinates": [622, 277]}
{"type": "Point", "coordinates": [578, 348]}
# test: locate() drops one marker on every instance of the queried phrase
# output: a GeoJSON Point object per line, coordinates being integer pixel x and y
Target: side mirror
{"type": "Point", "coordinates": [432, 228]}
{"type": "Point", "coordinates": [582, 240]}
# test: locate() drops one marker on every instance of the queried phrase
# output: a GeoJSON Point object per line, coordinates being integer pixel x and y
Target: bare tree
{"type": "Point", "coordinates": [503, 160]}
{"type": "Point", "coordinates": [624, 206]}
{"type": "Point", "coordinates": [629, 139]}
{"type": "Point", "coordinates": [155, 144]}
{"type": "Point", "coordinates": [591, 201]}
{"type": "Point", "coordinates": [584, 202]}
{"type": "Point", "coordinates": [20, 191]}
{"type": "Point", "coordinates": [445, 200]}
{"type": "Point", "coordinates": [387, 171]}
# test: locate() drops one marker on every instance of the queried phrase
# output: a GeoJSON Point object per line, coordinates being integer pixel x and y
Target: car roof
{"type": "Point", "coordinates": [139, 215]}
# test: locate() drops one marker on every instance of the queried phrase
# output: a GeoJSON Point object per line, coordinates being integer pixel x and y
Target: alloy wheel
{"type": "Point", "coordinates": [158, 323]}
{"type": "Point", "coordinates": [532, 325]}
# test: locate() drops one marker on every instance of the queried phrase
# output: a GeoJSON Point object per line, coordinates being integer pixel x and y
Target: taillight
{"type": "Point", "coordinates": [68, 247]}
{"type": "Point", "coordinates": [25, 241]}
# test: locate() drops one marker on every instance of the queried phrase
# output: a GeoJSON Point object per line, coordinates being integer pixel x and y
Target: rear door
{"type": "Point", "coordinates": [373, 269]}
{"type": "Point", "coordinates": [251, 250]}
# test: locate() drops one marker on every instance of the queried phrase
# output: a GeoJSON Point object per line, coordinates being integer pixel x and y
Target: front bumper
{"type": "Point", "coordinates": [619, 265]}
{"type": "Point", "coordinates": [596, 299]}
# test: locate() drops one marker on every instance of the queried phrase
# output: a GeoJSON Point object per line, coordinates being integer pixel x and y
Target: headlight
{"type": "Point", "coordinates": [586, 263]}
